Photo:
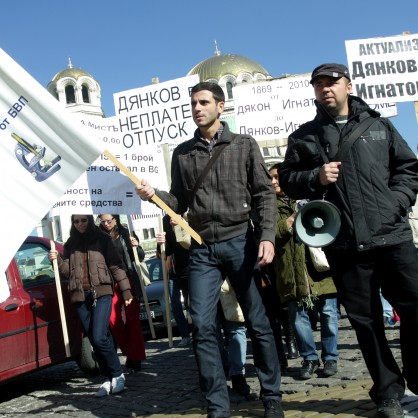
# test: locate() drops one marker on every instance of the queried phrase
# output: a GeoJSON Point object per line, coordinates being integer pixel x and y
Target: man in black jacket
{"type": "Point", "coordinates": [219, 210]}
{"type": "Point", "coordinates": [373, 183]}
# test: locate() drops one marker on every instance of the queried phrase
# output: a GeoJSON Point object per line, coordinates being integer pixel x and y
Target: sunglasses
{"type": "Point", "coordinates": [78, 221]}
{"type": "Point", "coordinates": [106, 221]}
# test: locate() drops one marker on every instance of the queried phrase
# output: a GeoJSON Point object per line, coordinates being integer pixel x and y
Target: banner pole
{"type": "Point", "coordinates": [61, 304]}
{"type": "Point", "coordinates": [165, 278]}
{"type": "Point", "coordinates": [158, 201]}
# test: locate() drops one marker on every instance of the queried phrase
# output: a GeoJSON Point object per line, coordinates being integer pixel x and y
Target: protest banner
{"type": "Point", "coordinates": [156, 114]}
{"type": "Point", "coordinates": [147, 118]}
{"type": "Point", "coordinates": [103, 188]}
{"type": "Point", "coordinates": [384, 69]}
{"type": "Point", "coordinates": [273, 109]}
{"type": "Point", "coordinates": [44, 150]}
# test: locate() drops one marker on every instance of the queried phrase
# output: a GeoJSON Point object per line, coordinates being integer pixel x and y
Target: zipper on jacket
{"type": "Point", "coordinates": [92, 288]}
{"type": "Point", "coordinates": [358, 187]}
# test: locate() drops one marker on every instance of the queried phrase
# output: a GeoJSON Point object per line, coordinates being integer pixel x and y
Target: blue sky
{"type": "Point", "coordinates": [125, 44]}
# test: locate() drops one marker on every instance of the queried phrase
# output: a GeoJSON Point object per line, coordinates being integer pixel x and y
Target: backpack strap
{"type": "Point", "coordinates": [346, 144]}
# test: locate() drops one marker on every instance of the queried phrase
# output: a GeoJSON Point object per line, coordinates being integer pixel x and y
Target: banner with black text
{"type": "Point", "coordinates": [384, 69]}
{"type": "Point", "coordinates": [273, 109]}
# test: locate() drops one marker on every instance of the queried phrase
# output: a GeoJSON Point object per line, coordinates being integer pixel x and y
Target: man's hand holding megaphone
{"type": "Point", "coordinates": [329, 173]}
{"type": "Point", "coordinates": [318, 222]}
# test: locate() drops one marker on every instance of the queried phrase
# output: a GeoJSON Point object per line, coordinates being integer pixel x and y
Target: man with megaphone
{"type": "Point", "coordinates": [359, 162]}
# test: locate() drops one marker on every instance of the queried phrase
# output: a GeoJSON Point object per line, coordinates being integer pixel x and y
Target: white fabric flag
{"type": "Point", "coordinates": [44, 149]}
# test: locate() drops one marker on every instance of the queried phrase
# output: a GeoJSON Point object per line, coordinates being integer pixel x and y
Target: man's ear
{"type": "Point", "coordinates": [221, 107]}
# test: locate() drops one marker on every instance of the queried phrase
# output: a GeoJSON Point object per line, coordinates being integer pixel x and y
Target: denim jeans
{"type": "Point", "coordinates": [95, 322]}
{"type": "Point", "coordinates": [387, 308]}
{"type": "Point", "coordinates": [327, 308]}
{"type": "Point", "coordinates": [174, 287]}
{"type": "Point", "coordinates": [209, 263]}
{"type": "Point", "coordinates": [236, 342]}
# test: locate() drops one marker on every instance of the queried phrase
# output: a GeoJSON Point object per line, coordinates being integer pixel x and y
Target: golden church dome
{"type": "Point", "coordinates": [78, 90]}
{"type": "Point", "coordinates": [71, 72]}
{"type": "Point", "coordinates": [75, 73]}
{"type": "Point", "coordinates": [222, 64]}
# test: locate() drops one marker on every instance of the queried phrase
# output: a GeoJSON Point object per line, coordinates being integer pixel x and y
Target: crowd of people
{"type": "Point", "coordinates": [245, 214]}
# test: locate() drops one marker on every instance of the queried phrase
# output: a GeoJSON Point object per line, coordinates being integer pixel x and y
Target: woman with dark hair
{"type": "Point", "coordinates": [89, 262]}
{"type": "Point", "coordinates": [126, 331]}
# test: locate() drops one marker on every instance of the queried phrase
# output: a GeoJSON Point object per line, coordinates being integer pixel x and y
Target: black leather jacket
{"type": "Point", "coordinates": [378, 178]}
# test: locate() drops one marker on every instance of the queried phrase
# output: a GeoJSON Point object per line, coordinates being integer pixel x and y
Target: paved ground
{"type": "Point", "coordinates": [167, 387]}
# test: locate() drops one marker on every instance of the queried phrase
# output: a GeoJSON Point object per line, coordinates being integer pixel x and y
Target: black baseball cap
{"type": "Point", "coordinates": [330, 70]}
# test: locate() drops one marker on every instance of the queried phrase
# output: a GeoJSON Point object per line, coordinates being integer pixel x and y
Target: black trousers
{"type": "Point", "coordinates": [358, 277]}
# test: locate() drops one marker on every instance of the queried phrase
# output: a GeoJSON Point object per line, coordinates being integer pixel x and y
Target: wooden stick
{"type": "Point", "coordinates": [155, 198]}
{"type": "Point", "coordinates": [61, 303]}
{"type": "Point", "coordinates": [144, 293]}
{"type": "Point", "coordinates": [165, 278]}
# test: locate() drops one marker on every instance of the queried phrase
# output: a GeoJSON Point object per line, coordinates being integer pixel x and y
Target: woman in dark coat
{"type": "Point", "coordinates": [91, 264]}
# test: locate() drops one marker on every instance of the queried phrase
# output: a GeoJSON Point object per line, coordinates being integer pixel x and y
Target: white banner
{"type": "Point", "coordinates": [103, 188]}
{"type": "Point", "coordinates": [156, 114]}
{"type": "Point", "coordinates": [43, 149]}
{"type": "Point", "coordinates": [274, 109]}
{"type": "Point", "coordinates": [384, 69]}
{"type": "Point", "coordinates": [146, 118]}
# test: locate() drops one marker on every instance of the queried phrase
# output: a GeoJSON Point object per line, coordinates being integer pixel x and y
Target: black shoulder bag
{"type": "Point", "coordinates": [208, 166]}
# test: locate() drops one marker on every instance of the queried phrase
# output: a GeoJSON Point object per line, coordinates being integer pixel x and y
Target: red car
{"type": "Point", "coordinates": [31, 334]}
